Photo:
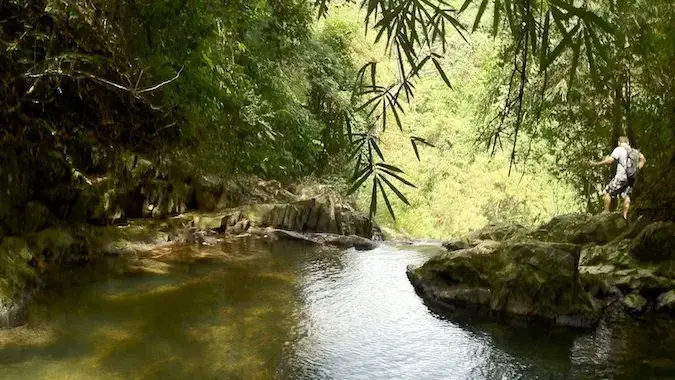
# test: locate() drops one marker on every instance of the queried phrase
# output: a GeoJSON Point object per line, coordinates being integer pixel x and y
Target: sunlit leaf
{"type": "Point", "coordinates": [479, 16]}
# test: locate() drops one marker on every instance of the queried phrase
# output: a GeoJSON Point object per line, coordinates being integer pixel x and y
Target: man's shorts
{"type": "Point", "coordinates": [620, 186]}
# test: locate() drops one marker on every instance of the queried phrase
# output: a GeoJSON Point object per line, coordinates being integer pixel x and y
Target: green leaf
{"type": "Point", "coordinates": [599, 21]}
{"type": "Point", "coordinates": [441, 72]}
{"type": "Point", "coordinates": [361, 180]}
{"type": "Point", "coordinates": [373, 198]}
{"type": "Point", "coordinates": [374, 145]}
{"type": "Point", "coordinates": [417, 152]}
{"type": "Point", "coordinates": [398, 177]}
{"type": "Point", "coordinates": [464, 6]}
{"type": "Point", "coordinates": [495, 18]}
{"type": "Point", "coordinates": [479, 16]}
{"type": "Point", "coordinates": [396, 191]}
{"type": "Point", "coordinates": [386, 199]}
{"type": "Point", "coordinates": [566, 41]}
{"type": "Point", "coordinates": [390, 167]}
{"type": "Point", "coordinates": [544, 41]}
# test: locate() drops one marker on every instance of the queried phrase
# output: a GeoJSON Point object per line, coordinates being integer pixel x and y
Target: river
{"type": "Point", "coordinates": [251, 309]}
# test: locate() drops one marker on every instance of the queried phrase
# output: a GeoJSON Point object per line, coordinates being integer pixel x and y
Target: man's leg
{"type": "Point", "coordinates": [626, 206]}
{"type": "Point", "coordinates": [608, 201]}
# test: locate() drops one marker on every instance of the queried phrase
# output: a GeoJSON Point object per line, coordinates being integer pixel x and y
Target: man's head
{"type": "Point", "coordinates": [623, 140]}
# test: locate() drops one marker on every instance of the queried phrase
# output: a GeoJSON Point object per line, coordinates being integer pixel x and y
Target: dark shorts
{"type": "Point", "coordinates": [618, 186]}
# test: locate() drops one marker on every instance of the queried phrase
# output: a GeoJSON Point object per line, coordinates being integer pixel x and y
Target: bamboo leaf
{"type": "Point", "coordinates": [464, 6]}
{"type": "Point", "coordinates": [360, 181]}
{"type": "Point", "coordinates": [373, 144]}
{"type": "Point", "coordinates": [481, 9]}
{"type": "Point", "coordinates": [496, 19]}
{"type": "Point", "coordinates": [544, 41]}
{"type": "Point", "coordinates": [386, 199]}
{"type": "Point", "coordinates": [566, 41]}
{"type": "Point", "coordinates": [398, 177]}
{"type": "Point", "coordinates": [396, 191]}
{"type": "Point", "coordinates": [417, 152]}
{"type": "Point", "coordinates": [373, 198]}
{"type": "Point", "coordinates": [441, 72]}
{"type": "Point", "coordinates": [390, 167]}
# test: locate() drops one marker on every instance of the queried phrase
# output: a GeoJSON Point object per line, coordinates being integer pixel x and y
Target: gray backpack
{"type": "Point", "coordinates": [632, 160]}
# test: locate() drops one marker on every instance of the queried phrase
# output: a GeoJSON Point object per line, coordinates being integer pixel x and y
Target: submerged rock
{"type": "Point", "coordinates": [535, 279]}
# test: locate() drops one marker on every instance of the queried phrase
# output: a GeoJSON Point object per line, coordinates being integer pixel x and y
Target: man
{"type": "Point", "coordinates": [630, 161]}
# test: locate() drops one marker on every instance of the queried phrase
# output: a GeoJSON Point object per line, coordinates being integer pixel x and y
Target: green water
{"type": "Point", "coordinates": [250, 309]}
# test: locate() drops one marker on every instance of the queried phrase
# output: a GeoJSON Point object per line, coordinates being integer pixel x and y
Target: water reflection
{"type": "Point", "coordinates": [251, 310]}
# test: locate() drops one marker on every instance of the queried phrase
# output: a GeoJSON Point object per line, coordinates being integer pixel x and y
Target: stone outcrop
{"type": "Point", "coordinates": [309, 215]}
{"type": "Point", "coordinates": [532, 279]}
{"type": "Point", "coordinates": [568, 270]}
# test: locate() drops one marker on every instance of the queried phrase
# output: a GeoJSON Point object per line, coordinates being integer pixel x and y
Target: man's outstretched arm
{"type": "Point", "coordinates": [642, 162]}
{"type": "Point", "coordinates": [607, 161]}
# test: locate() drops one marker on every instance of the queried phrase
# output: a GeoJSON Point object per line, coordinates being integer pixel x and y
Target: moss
{"type": "Point", "coordinates": [15, 271]}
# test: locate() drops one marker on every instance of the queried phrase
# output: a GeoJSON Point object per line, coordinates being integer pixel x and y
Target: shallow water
{"type": "Point", "coordinates": [253, 310]}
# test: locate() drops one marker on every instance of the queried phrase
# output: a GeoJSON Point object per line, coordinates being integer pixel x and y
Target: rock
{"type": "Point", "coordinates": [13, 313]}
{"type": "Point", "coordinates": [634, 302]}
{"type": "Point", "coordinates": [498, 232]}
{"type": "Point", "coordinates": [455, 245]}
{"type": "Point", "coordinates": [614, 253]}
{"type": "Point", "coordinates": [208, 192]}
{"type": "Point", "coordinates": [346, 241]}
{"type": "Point", "coordinates": [521, 278]}
{"type": "Point", "coordinates": [600, 229]}
{"type": "Point", "coordinates": [666, 302]}
{"type": "Point", "coordinates": [351, 241]}
{"type": "Point", "coordinates": [655, 243]}
{"type": "Point", "coordinates": [240, 227]}
{"type": "Point", "coordinates": [562, 228]}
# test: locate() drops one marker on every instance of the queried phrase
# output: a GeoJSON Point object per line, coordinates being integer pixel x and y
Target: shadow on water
{"type": "Point", "coordinates": [624, 347]}
{"type": "Point", "coordinates": [189, 320]}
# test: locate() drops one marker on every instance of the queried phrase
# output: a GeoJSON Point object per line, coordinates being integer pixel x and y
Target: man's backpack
{"type": "Point", "coordinates": [632, 160]}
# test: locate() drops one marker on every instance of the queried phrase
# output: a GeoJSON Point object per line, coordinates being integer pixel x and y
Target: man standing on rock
{"type": "Point", "coordinates": [630, 161]}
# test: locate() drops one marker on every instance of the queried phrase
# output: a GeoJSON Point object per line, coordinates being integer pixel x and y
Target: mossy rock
{"type": "Point", "coordinates": [656, 243]}
{"type": "Point", "coordinates": [497, 232]}
{"type": "Point", "coordinates": [601, 229]}
{"type": "Point", "coordinates": [561, 228]}
{"type": "Point", "coordinates": [634, 302]}
{"type": "Point", "coordinates": [522, 278]}
{"type": "Point", "coordinates": [666, 302]}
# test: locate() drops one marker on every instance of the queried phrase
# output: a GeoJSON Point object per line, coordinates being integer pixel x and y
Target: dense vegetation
{"type": "Point", "coordinates": [92, 88]}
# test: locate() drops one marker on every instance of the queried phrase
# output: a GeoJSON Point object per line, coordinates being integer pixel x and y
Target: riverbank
{"type": "Point", "coordinates": [313, 213]}
{"type": "Point", "coordinates": [573, 270]}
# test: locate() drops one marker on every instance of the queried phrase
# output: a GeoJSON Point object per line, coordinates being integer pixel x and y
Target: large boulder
{"type": "Point", "coordinates": [561, 228]}
{"type": "Point", "coordinates": [523, 278]}
{"type": "Point", "coordinates": [600, 229]}
{"type": "Point", "coordinates": [656, 243]}
{"type": "Point", "coordinates": [497, 231]}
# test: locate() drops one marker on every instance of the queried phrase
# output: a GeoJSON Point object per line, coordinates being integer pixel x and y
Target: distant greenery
{"type": "Point", "coordinates": [460, 186]}
{"type": "Point", "coordinates": [617, 55]}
